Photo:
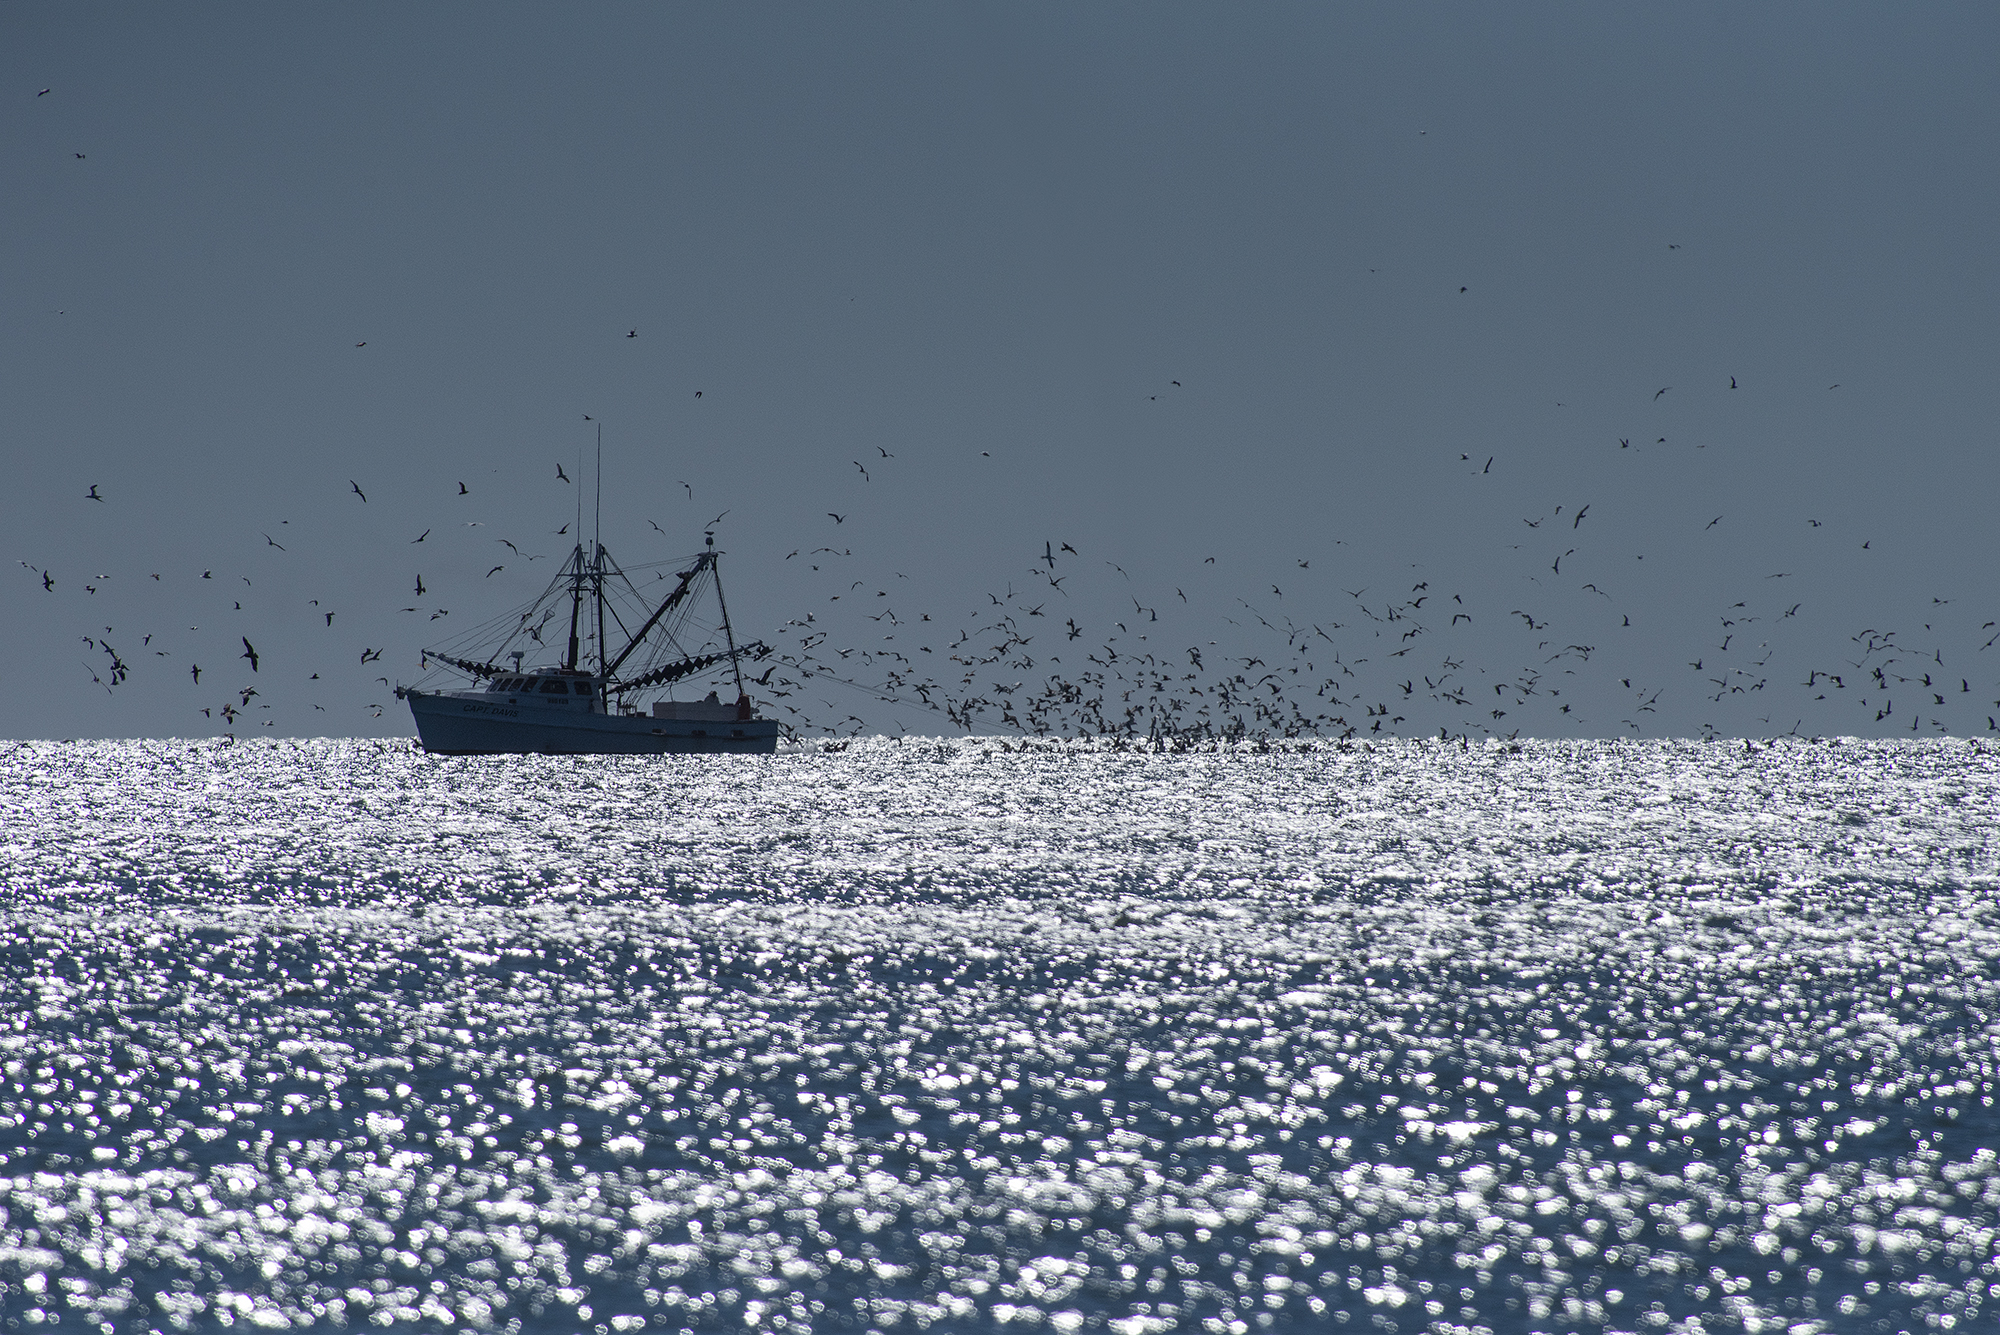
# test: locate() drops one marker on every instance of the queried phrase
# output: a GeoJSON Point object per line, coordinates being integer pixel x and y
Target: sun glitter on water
{"type": "Point", "coordinates": [974, 1035]}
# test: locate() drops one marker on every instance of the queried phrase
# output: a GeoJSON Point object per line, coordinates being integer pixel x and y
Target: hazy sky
{"type": "Point", "coordinates": [987, 240]}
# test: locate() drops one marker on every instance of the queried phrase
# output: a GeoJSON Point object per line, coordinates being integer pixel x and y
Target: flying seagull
{"type": "Point", "coordinates": [92, 495]}
{"type": "Point", "coordinates": [357, 490]}
{"type": "Point", "coordinates": [249, 652]}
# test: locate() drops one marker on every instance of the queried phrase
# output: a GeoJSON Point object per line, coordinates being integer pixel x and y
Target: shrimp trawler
{"type": "Point", "coordinates": [587, 702]}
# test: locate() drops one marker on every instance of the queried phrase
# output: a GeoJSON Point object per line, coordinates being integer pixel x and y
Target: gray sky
{"type": "Point", "coordinates": [988, 241]}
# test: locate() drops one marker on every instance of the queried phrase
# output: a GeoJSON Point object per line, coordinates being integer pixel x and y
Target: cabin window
{"type": "Point", "coordinates": [554, 688]}
{"type": "Point", "coordinates": [583, 688]}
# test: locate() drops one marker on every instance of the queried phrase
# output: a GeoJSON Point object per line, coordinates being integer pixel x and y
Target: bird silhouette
{"type": "Point", "coordinates": [279, 545]}
{"type": "Point", "coordinates": [357, 490]}
{"type": "Point", "coordinates": [92, 495]}
{"type": "Point", "coordinates": [461, 489]}
{"type": "Point", "coordinates": [249, 652]}
{"type": "Point", "coordinates": [560, 475]}
{"type": "Point", "coordinates": [420, 586]}
{"type": "Point", "coordinates": [420, 537]}
{"type": "Point", "coordinates": [838, 519]}
{"type": "Point", "coordinates": [195, 669]}
{"type": "Point", "coordinates": [1656, 395]}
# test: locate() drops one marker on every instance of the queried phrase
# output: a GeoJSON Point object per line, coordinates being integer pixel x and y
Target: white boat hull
{"type": "Point", "coordinates": [465, 724]}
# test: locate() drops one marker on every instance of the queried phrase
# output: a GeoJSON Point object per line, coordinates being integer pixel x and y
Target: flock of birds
{"type": "Point", "coordinates": [1358, 676]}
{"type": "Point", "coordinates": [1368, 663]}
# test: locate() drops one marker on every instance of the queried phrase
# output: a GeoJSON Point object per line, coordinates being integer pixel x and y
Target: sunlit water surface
{"type": "Point", "coordinates": [1559, 1037]}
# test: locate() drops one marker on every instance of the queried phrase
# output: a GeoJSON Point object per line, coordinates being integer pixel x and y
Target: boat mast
{"type": "Point", "coordinates": [728, 635]}
{"type": "Point", "coordinates": [575, 600]}
{"type": "Point", "coordinates": [576, 571]}
{"type": "Point", "coordinates": [597, 541]}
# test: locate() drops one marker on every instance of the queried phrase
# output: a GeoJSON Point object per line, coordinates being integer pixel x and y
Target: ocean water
{"type": "Point", "coordinates": [953, 1036]}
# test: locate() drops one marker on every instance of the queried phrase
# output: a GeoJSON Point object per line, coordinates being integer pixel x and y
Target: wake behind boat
{"type": "Point", "coordinates": [587, 703]}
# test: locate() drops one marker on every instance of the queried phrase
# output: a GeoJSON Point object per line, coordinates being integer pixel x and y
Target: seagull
{"type": "Point", "coordinates": [357, 490]}
{"type": "Point", "coordinates": [1656, 396]}
{"type": "Point", "coordinates": [1732, 382]}
{"type": "Point", "coordinates": [360, 345]}
{"type": "Point", "coordinates": [45, 92]}
{"type": "Point", "coordinates": [196, 670]}
{"type": "Point", "coordinates": [420, 537]}
{"type": "Point", "coordinates": [697, 393]}
{"type": "Point", "coordinates": [92, 495]}
{"type": "Point", "coordinates": [249, 652]}
{"type": "Point", "coordinates": [884, 453]}
{"type": "Point", "coordinates": [633, 334]}
{"type": "Point", "coordinates": [560, 475]}
{"type": "Point", "coordinates": [494, 571]}
{"type": "Point", "coordinates": [864, 472]}
{"type": "Point", "coordinates": [279, 545]}
{"type": "Point", "coordinates": [1712, 523]}
{"type": "Point", "coordinates": [838, 519]}
{"type": "Point", "coordinates": [462, 491]}
{"type": "Point", "coordinates": [420, 586]}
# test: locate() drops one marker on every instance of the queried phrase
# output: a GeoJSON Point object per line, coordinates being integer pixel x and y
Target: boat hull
{"type": "Point", "coordinates": [458, 725]}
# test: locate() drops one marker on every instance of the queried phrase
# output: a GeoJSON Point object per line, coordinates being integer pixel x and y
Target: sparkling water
{"type": "Point", "coordinates": [974, 1035]}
